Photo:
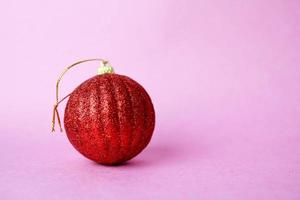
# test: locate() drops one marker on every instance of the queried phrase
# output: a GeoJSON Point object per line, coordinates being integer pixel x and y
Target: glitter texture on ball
{"type": "Point", "coordinates": [109, 118]}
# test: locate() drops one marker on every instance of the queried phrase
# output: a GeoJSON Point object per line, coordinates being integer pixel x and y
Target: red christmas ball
{"type": "Point", "coordinates": [109, 118]}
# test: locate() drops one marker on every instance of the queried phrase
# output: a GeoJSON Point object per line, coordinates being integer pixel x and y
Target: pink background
{"type": "Point", "coordinates": [224, 77]}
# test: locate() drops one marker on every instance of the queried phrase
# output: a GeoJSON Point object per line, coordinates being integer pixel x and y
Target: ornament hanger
{"type": "Point", "coordinates": [104, 68]}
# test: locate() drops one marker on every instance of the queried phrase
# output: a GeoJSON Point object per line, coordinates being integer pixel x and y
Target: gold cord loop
{"type": "Point", "coordinates": [57, 101]}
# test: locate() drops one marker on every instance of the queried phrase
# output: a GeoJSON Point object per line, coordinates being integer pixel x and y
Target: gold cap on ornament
{"type": "Point", "coordinates": [105, 67]}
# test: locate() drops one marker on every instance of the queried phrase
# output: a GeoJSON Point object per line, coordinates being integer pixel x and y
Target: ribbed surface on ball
{"type": "Point", "coordinates": [109, 118]}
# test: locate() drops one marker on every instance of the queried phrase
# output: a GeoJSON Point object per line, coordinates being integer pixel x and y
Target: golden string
{"type": "Point", "coordinates": [57, 101]}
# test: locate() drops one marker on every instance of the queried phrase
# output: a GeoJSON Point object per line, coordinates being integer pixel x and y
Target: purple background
{"type": "Point", "coordinates": [224, 77]}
